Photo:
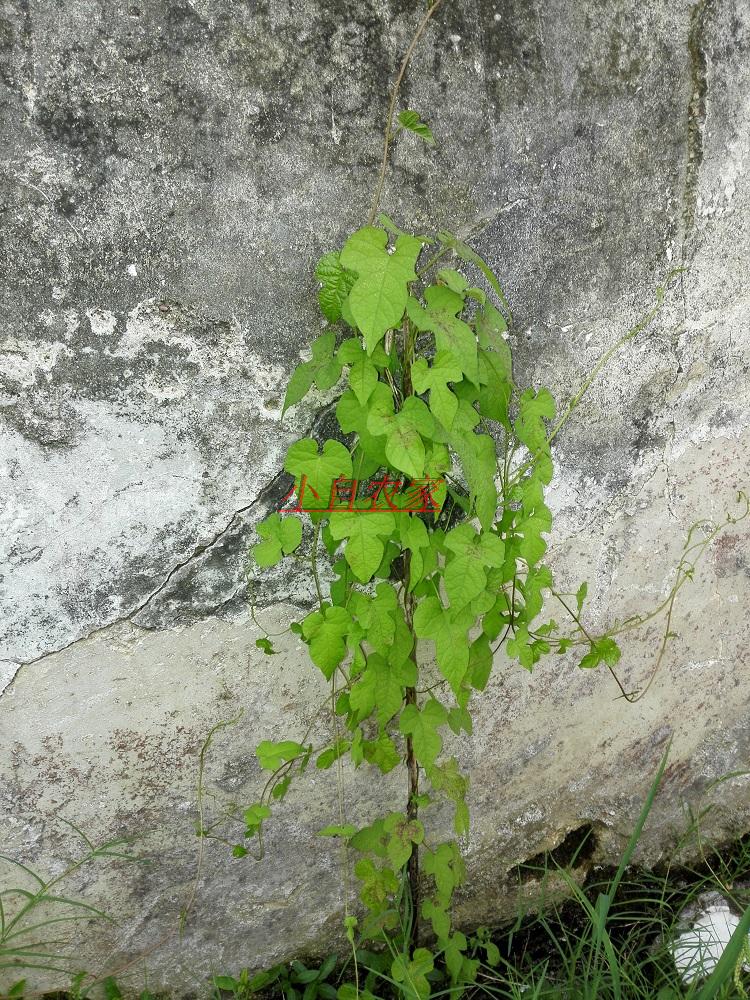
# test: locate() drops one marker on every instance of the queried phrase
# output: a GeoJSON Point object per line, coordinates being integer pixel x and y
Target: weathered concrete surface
{"type": "Point", "coordinates": [171, 170]}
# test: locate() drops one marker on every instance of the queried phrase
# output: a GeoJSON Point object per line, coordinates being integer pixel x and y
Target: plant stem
{"type": "Point", "coordinates": [412, 805]}
{"type": "Point", "coordinates": [410, 696]}
{"type": "Point", "coordinates": [392, 107]}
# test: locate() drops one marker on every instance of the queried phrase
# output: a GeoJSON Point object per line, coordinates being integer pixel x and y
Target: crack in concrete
{"type": "Point", "coordinates": [696, 115]}
{"type": "Point", "coordinates": [317, 426]}
{"type": "Point", "coordinates": [669, 490]}
{"type": "Point", "coordinates": [696, 123]}
{"type": "Point", "coordinates": [130, 616]}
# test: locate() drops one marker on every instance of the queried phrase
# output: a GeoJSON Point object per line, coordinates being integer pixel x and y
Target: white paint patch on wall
{"type": "Point", "coordinates": [28, 361]}
{"type": "Point", "coordinates": [70, 523]}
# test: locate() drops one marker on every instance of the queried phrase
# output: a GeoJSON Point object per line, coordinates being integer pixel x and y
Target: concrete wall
{"type": "Point", "coordinates": [171, 170]}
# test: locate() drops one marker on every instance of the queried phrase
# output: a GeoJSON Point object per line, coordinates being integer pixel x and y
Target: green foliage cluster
{"type": "Point", "coordinates": [418, 341]}
{"type": "Point", "coordinates": [428, 394]}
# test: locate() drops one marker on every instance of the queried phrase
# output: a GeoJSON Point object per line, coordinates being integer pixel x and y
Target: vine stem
{"type": "Point", "coordinates": [633, 332]}
{"type": "Point", "coordinates": [410, 695]}
{"type": "Point", "coordinates": [392, 106]}
{"type": "Point", "coordinates": [412, 767]}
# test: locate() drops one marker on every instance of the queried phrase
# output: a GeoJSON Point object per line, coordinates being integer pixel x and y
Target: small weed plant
{"type": "Point", "coordinates": [34, 911]}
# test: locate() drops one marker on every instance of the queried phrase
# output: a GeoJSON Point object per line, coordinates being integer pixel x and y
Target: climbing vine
{"type": "Point", "coordinates": [429, 507]}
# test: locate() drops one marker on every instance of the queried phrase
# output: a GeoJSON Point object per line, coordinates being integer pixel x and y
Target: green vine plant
{"type": "Point", "coordinates": [430, 507]}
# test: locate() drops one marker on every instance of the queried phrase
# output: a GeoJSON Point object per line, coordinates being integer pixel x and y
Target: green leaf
{"type": "Point", "coordinates": [378, 297]}
{"type": "Point", "coordinates": [363, 378]}
{"type": "Point", "coordinates": [465, 574]}
{"type": "Point", "coordinates": [338, 831]}
{"type": "Point", "coordinates": [446, 866]}
{"type": "Point", "coordinates": [381, 753]}
{"type": "Point", "coordinates": [227, 983]}
{"type": "Point", "coordinates": [365, 534]}
{"type": "Point", "coordinates": [281, 535]}
{"type": "Point", "coordinates": [458, 719]}
{"type": "Point", "coordinates": [410, 120]}
{"type": "Point", "coordinates": [272, 755]}
{"type": "Point", "coordinates": [581, 595]}
{"type": "Point", "coordinates": [529, 529]}
{"type": "Point", "coordinates": [405, 450]}
{"type": "Point", "coordinates": [333, 462]}
{"type": "Point", "coordinates": [349, 992]}
{"type": "Point", "coordinates": [479, 461]}
{"type": "Point", "coordinates": [336, 285]}
{"type": "Point", "coordinates": [404, 447]}
{"type": "Point", "coordinates": [403, 833]}
{"type": "Point", "coordinates": [423, 727]}
{"type": "Point", "coordinates": [520, 649]}
{"type": "Point", "coordinates": [492, 951]}
{"type": "Point", "coordinates": [453, 953]}
{"type": "Point", "coordinates": [324, 369]}
{"type": "Point", "coordinates": [451, 333]}
{"type": "Point", "coordinates": [380, 414]}
{"type": "Point", "coordinates": [602, 650]}
{"type": "Point", "coordinates": [454, 280]}
{"type": "Point", "coordinates": [447, 629]}
{"type": "Point", "coordinates": [328, 757]}
{"type": "Point", "coordinates": [371, 839]}
{"type": "Point", "coordinates": [533, 410]}
{"type": "Point", "coordinates": [376, 615]}
{"type": "Point", "coordinates": [480, 662]}
{"type": "Point", "coordinates": [447, 778]}
{"type": "Point", "coordinates": [280, 789]}
{"type": "Point", "coordinates": [325, 632]}
{"type": "Point", "coordinates": [379, 884]}
{"type": "Point", "coordinates": [464, 580]}
{"type": "Point", "coordinates": [254, 816]}
{"type": "Point", "coordinates": [381, 687]}
{"type": "Point", "coordinates": [435, 377]}
{"type": "Point", "coordinates": [267, 646]}
{"type": "Point", "coordinates": [438, 917]}
{"type": "Point", "coordinates": [350, 350]}
{"type": "Point", "coordinates": [412, 974]}
{"type": "Point", "coordinates": [111, 989]}
{"type": "Point", "coordinates": [414, 536]}
{"type": "Point", "coordinates": [496, 385]}
{"type": "Point", "coordinates": [491, 325]}
{"type": "Point", "coordinates": [609, 650]}
{"type": "Point", "coordinates": [353, 416]}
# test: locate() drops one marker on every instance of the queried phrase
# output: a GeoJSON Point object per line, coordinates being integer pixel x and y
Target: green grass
{"type": "Point", "coordinates": [34, 912]}
{"type": "Point", "coordinates": [609, 940]}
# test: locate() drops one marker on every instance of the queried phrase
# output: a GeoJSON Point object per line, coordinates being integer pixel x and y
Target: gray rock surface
{"type": "Point", "coordinates": [171, 170]}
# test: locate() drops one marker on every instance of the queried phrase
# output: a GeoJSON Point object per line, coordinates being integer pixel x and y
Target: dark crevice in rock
{"type": "Point", "coordinates": [576, 850]}
{"type": "Point", "coordinates": [696, 113]}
